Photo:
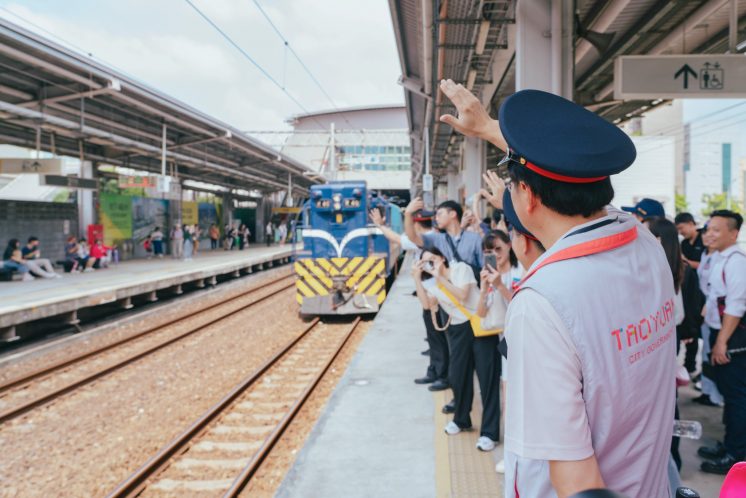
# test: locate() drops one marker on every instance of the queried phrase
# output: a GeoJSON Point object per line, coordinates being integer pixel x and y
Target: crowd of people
{"type": "Point", "coordinates": [590, 303]}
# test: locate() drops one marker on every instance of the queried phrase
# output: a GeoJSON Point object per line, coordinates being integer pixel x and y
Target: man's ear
{"type": "Point", "coordinates": [533, 199]}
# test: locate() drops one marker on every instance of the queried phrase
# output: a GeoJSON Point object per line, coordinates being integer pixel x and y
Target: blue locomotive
{"type": "Point", "coordinates": [346, 261]}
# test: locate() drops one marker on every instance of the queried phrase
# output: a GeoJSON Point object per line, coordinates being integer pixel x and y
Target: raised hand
{"type": "Point", "coordinates": [497, 188]}
{"type": "Point", "coordinates": [472, 120]}
{"type": "Point", "coordinates": [375, 217]}
{"type": "Point", "coordinates": [415, 205]}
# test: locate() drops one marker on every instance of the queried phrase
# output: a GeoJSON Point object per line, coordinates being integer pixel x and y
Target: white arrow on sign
{"type": "Point", "coordinates": [679, 76]}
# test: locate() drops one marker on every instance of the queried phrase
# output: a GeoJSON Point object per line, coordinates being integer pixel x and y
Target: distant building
{"type": "Point", "coordinates": [651, 175]}
{"type": "Point", "coordinates": [369, 143]}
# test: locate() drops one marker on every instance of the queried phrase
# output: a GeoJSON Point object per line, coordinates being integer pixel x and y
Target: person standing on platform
{"type": "Point", "coordinates": [188, 242]}
{"type": "Point", "coordinates": [646, 209]}
{"type": "Point", "coordinates": [196, 236]}
{"type": "Point", "coordinates": [157, 239]}
{"type": "Point", "coordinates": [437, 370]}
{"type": "Point", "coordinates": [727, 298]}
{"type": "Point", "coordinates": [454, 287]}
{"type": "Point", "coordinates": [576, 395]}
{"type": "Point", "coordinates": [692, 248]}
{"type": "Point", "coordinates": [177, 241]}
{"type": "Point", "coordinates": [269, 233]}
{"type": "Point", "coordinates": [710, 395]}
{"type": "Point", "coordinates": [214, 236]}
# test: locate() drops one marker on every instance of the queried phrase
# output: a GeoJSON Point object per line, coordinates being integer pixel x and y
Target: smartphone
{"type": "Point", "coordinates": [491, 260]}
{"type": "Point", "coordinates": [429, 266]}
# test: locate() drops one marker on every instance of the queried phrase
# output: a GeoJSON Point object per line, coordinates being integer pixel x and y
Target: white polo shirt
{"type": "Point", "coordinates": [732, 261]}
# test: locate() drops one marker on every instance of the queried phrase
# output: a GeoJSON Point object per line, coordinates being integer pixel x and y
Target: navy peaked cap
{"type": "Point", "coordinates": [561, 140]}
{"type": "Point", "coordinates": [512, 218]}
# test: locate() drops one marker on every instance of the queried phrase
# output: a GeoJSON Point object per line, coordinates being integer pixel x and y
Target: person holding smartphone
{"type": "Point", "coordinates": [454, 288]}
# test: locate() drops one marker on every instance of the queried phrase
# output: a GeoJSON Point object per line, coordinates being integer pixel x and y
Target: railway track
{"type": "Point", "coordinates": [223, 449]}
{"type": "Point", "coordinates": [230, 306]}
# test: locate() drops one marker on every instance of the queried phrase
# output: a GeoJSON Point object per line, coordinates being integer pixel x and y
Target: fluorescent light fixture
{"type": "Point", "coordinates": [471, 78]}
{"type": "Point", "coordinates": [484, 30]}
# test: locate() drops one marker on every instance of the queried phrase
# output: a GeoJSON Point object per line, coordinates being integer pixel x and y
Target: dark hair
{"type": "Point", "coordinates": [436, 252]}
{"type": "Point", "coordinates": [497, 215]}
{"type": "Point", "coordinates": [683, 218]}
{"type": "Point", "coordinates": [489, 242]}
{"type": "Point", "coordinates": [13, 243]}
{"type": "Point", "coordinates": [736, 220]}
{"type": "Point", "coordinates": [33, 239]}
{"type": "Point", "coordinates": [452, 206]}
{"type": "Point", "coordinates": [666, 231]}
{"type": "Point", "coordinates": [569, 199]}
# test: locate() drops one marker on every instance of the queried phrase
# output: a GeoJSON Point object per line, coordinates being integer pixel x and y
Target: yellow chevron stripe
{"type": "Point", "coordinates": [352, 265]}
{"type": "Point", "coordinates": [371, 275]}
{"type": "Point", "coordinates": [381, 297]}
{"type": "Point", "coordinates": [377, 285]}
{"type": "Point", "coordinates": [361, 271]}
{"type": "Point", "coordinates": [326, 265]}
{"type": "Point", "coordinates": [318, 288]}
{"type": "Point", "coordinates": [339, 262]}
{"type": "Point", "coordinates": [299, 297]}
{"type": "Point", "coordinates": [303, 289]}
{"type": "Point", "coordinates": [320, 274]}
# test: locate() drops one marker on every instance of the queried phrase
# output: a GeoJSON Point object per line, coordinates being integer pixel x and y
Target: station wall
{"type": "Point", "coordinates": [51, 222]}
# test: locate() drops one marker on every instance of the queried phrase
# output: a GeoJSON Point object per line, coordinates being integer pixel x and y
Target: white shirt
{"type": "Point", "coordinates": [406, 244]}
{"type": "Point", "coordinates": [461, 275]}
{"type": "Point", "coordinates": [734, 286]}
{"type": "Point", "coordinates": [540, 423]}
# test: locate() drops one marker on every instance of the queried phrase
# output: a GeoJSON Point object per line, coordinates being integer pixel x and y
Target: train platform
{"type": "Point", "coordinates": [62, 298]}
{"type": "Point", "coordinates": [382, 435]}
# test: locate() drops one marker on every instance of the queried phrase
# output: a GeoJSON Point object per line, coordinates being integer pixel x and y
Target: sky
{"type": "Point", "coordinates": [349, 46]}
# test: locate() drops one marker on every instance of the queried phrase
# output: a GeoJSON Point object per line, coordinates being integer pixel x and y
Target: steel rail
{"type": "Point", "coordinates": [250, 469]}
{"type": "Point", "coordinates": [137, 480]}
{"type": "Point", "coordinates": [25, 379]}
{"type": "Point", "coordinates": [42, 400]}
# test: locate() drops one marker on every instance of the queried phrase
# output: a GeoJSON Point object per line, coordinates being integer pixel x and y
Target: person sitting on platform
{"type": "Point", "coordinates": [41, 267]}
{"type": "Point", "coordinates": [13, 259]}
{"type": "Point", "coordinates": [100, 253]}
{"type": "Point", "coordinates": [84, 255]}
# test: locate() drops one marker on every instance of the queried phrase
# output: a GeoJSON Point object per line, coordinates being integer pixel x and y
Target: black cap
{"type": "Point", "coordinates": [561, 140]}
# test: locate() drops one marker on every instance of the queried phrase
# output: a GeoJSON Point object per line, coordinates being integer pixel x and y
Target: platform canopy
{"type": "Point", "coordinates": [67, 103]}
{"type": "Point", "coordinates": [473, 42]}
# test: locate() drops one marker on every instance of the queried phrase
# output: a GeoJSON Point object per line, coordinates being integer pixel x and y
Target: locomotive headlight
{"type": "Point", "coordinates": [352, 203]}
{"type": "Point", "coordinates": [337, 201]}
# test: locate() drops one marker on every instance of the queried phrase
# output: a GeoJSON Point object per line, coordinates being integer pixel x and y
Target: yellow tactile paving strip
{"type": "Point", "coordinates": [462, 471]}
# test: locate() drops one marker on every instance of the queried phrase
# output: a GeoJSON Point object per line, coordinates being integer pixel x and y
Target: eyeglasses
{"type": "Point", "coordinates": [502, 168]}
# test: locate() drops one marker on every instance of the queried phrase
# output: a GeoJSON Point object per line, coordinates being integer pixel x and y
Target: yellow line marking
{"type": "Point", "coordinates": [442, 458]}
{"type": "Point", "coordinates": [372, 274]}
{"type": "Point", "coordinates": [381, 297]}
{"type": "Point", "coordinates": [303, 288]}
{"type": "Point", "coordinates": [361, 271]}
{"type": "Point", "coordinates": [320, 274]}
{"type": "Point", "coordinates": [326, 265]}
{"type": "Point", "coordinates": [315, 285]}
{"type": "Point", "coordinates": [373, 289]}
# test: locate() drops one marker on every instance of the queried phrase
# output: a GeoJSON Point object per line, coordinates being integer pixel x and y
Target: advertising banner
{"type": "Point", "coordinates": [115, 213]}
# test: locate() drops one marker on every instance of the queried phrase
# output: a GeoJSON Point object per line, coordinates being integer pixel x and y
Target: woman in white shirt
{"type": "Point", "coordinates": [454, 288]}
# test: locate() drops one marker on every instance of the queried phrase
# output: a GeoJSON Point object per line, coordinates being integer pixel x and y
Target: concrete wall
{"type": "Point", "coordinates": [51, 222]}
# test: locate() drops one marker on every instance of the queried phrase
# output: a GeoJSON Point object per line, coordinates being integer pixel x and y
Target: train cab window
{"type": "Point", "coordinates": [352, 203]}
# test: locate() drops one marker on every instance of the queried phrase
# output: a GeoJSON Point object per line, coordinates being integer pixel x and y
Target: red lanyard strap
{"type": "Point", "coordinates": [586, 249]}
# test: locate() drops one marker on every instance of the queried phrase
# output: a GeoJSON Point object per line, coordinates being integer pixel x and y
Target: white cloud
{"type": "Point", "coordinates": [348, 45]}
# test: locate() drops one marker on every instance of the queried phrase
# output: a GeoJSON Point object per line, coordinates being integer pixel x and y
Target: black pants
{"type": "Point", "coordinates": [436, 340]}
{"type": "Point", "coordinates": [467, 354]}
{"type": "Point", "coordinates": [690, 360]}
{"type": "Point", "coordinates": [213, 243]}
{"type": "Point", "coordinates": [731, 381]}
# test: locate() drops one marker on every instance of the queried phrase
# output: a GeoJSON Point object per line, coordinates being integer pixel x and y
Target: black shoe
{"type": "Point", "coordinates": [425, 353]}
{"type": "Point", "coordinates": [712, 452]}
{"type": "Point", "coordinates": [424, 380]}
{"type": "Point", "coordinates": [704, 400]}
{"type": "Point", "coordinates": [449, 408]}
{"type": "Point", "coordinates": [720, 466]}
{"type": "Point", "coordinates": [439, 385]}
{"type": "Point", "coordinates": [695, 378]}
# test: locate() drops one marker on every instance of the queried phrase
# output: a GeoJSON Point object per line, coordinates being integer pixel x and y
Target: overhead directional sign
{"type": "Point", "coordinates": [680, 76]}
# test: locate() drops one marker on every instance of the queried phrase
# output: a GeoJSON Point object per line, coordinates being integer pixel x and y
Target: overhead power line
{"type": "Point", "coordinates": [247, 56]}
{"type": "Point", "coordinates": [297, 57]}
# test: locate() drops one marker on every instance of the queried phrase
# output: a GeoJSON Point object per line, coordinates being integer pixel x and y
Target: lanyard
{"type": "Point", "coordinates": [588, 248]}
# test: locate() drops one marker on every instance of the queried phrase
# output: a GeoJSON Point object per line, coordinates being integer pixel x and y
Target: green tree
{"type": "Point", "coordinates": [681, 205]}
{"type": "Point", "coordinates": [714, 202]}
